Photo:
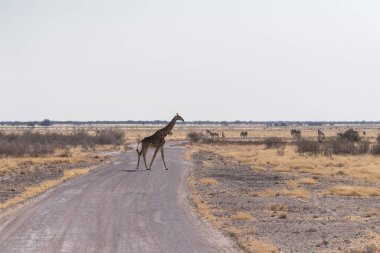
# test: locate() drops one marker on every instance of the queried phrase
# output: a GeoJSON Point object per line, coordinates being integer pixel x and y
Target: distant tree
{"type": "Point", "coordinates": [30, 124]}
{"type": "Point", "coordinates": [46, 122]}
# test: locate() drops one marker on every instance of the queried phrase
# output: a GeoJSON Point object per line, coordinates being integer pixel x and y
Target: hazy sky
{"type": "Point", "coordinates": [207, 60]}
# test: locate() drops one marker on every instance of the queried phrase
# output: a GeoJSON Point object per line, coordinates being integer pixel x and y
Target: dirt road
{"type": "Point", "coordinates": [115, 209]}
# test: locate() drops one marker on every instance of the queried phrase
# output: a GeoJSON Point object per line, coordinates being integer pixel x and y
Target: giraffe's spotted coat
{"type": "Point", "coordinates": [157, 141]}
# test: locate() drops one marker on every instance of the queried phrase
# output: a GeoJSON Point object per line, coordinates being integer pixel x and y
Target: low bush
{"type": "Point", "coordinates": [308, 146]}
{"type": "Point", "coordinates": [109, 137]}
{"type": "Point", "coordinates": [350, 135]}
{"type": "Point", "coordinates": [336, 146]}
{"type": "Point", "coordinates": [37, 144]}
{"type": "Point", "coordinates": [195, 136]}
{"type": "Point", "coordinates": [375, 150]}
{"type": "Point", "coordinates": [273, 142]}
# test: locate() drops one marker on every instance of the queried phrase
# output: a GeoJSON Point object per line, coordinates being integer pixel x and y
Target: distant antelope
{"type": "Point", "coordinates": [244, 134]}
{"type": "Point", "coordinates": [212, 134]}
{"type": "Point", "coordinates": [223, 136]}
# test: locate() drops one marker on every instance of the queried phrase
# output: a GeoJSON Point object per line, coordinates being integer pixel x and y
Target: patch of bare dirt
{"type": "Point", "coordinates": [294, 223]}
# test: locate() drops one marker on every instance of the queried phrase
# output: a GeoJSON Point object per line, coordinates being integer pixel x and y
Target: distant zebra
{"type": "Point", "coordinates": [295, 133]}
{"type": "Point", "coordinates": [321, 135]}
{"type": "Point", "coordinates": [213, 134]}
{"type": "Point", "coordinates": [243, 134]}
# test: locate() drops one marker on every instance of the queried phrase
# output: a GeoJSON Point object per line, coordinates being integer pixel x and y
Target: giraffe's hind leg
{"type": "Point", "coordinates": [144, 150]}
{"type": "Point", "coordinates": [138, 161]}
{"type": "Point", "coordinates": [154, 156]}
{"type": "Point", "coordinates": [163, 157]}
{"type": "Point", "coordinates": [144, 156]}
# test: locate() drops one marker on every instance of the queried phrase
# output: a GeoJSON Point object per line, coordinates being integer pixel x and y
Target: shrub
{"type": "Point", "coordinates": [273, 142]}
{"type": "Point", "coordinates": [337, 146]}
{"type": "Point", "coordinates": [346, 147]}
{"type": "Point", "coordinates": [36, 144]}
{"type": "Point", "coordinates": [308, 146]}
{"type": "Point", "coordinates": [350, 135]}
{"type": "Point", "coordinates": [109, 136]}
{"type": "Point", "coordinates": [375, 150]}
{"type": "Point", "coordinates": [194, 136]}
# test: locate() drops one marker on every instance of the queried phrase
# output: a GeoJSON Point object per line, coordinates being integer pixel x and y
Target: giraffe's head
{"type": "Point", "coordinates": [177, 117]}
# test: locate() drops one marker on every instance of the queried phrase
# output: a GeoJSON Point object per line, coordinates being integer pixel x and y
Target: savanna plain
{"type": "Point", "coordinates": [269, 188]}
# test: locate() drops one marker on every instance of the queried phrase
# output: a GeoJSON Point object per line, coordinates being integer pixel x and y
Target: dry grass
{"type": "Point", "coordinates": [306, 171]}
{"type": "Point", "coordinates": [243, 235]}
{"type": "Point", "coordinates": [78, 155]}
{"type": "Point", "coordinates": [277, 207]}
{"type": "Point", "coordinates": [203, 208]}
{"type": "Point", "coordinates": [307, 181]}
{"type": "Point", "coordinates": [242, 216]}
{"type": "Point", "coordinates": [33, 191]}
{"type": "Point", "coordinates": [297, 193]}
{"type": "Point", "coordinates": [256, 246]}
{"type": "Point", "coordinates": [60, 159]}
{"type": "Point", "coordinates": [354, 167]}
{"type": "Point", "coordinates": [208, 181]}
{"type": "Point", "coordinates": [361, 191]}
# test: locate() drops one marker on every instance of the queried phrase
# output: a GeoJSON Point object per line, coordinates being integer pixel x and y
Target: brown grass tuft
{"type": "Point", "coordinates": [371, 248]}
{"type": "Point", "coordinates": [298, 193]}
{"type": "Point", "coordinates": [242, 216]}
{"type": "Point", "coordinates": [257, 246]}
{"type": "Point", "coordinates": [277, 207]}
{"type": "Point", "coordinates": [307, 181]}
{"type": "Point", "coordinates": [208, 181]}
{"type": "Point", "coordinates": [347, 190]}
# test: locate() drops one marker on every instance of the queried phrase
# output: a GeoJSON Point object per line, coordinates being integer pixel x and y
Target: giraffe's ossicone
{"type": "Point", "coordinates": [157, 141]}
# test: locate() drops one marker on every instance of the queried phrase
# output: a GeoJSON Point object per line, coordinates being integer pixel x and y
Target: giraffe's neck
{"type": "Point", "coordinates": [166, 130]}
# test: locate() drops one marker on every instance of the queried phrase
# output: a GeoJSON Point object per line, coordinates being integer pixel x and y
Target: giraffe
{"type": "Point", "coordinates": [157, 141]}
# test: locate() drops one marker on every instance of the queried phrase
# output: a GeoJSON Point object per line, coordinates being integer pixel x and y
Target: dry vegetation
{"type": "Point", "coordinates": [287, 190]}
{"type": "Point", "coordinates": [34, 160]}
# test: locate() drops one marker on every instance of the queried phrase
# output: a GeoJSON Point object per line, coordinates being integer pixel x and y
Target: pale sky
{"type": "Point", "coordinates": [206, 60]}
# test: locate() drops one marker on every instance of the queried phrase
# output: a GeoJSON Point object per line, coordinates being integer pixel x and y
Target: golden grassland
{"type": "Point", "coordinates": [365, 167]}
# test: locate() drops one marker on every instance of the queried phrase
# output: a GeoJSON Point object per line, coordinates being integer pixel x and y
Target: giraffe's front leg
{"type": "Point", "coordinates": [163, 157]}
{"type": "Point", "coordinates": [154, 156]}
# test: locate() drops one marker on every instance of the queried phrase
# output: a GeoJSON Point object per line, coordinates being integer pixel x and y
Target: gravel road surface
{"type": "Point", "coordinates": [115, 209]}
